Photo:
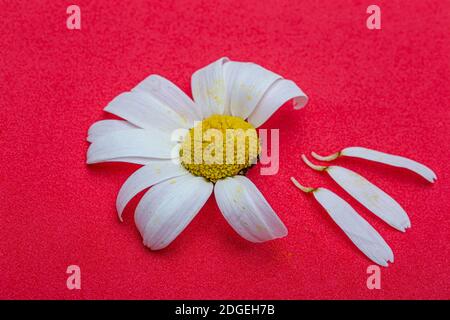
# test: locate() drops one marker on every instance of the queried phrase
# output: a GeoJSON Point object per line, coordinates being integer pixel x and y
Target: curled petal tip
{"type": "Point", "coordinates": [331, 157]}
{"type": "Point", "coordinates": [119, 213]}
{"type": "Point", "coordinates": [301, 187]}
{"type": "Point", "coordinates": [312, 165]}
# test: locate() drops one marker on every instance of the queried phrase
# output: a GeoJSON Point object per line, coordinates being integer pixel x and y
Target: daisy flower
{"type": "Point", "coordinates": [217, 143]}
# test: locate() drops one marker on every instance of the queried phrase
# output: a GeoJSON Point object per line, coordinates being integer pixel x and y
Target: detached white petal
{"type": "Point", "coordinates": [246, 84]}
{"type": "Point", "coordinates": [360, 232]}
{"type": "Point", "coordinates": [371, 197]}
{"type": "Point", "coordinates": [368, 194]}
{"type": "Point", "coordinates": [102, 127]}
{"type": "Point", "coordinates": [382, 157]}
{"type": "Point", "coordinates": [208, 88]}
{"type": "Point", "coordinates": [132, 143]}
{"type": "Point", "coordinates": [168, 207]}
{"type": "Point", "coordinates": [145, 111]}
{"type": "Point", "coordinates": [172, 97]}
{"type": "Point", "coordinates": [152, 173]}
{"type": "Point", "coordinates": [278, 94]}
{"type": "Point", "coordinates": [247, 211]}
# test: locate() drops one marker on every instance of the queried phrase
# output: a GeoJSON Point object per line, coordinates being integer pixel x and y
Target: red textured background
{"type": "Point", "coordinates": [386, 89]}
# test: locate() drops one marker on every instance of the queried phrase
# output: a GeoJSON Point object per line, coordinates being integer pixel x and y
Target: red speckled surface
{"type": "Point", "coordinates": [386, 89]}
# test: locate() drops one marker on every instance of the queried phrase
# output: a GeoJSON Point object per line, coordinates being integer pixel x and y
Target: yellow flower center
{"type": "Point", "coordinates": [220, 146]}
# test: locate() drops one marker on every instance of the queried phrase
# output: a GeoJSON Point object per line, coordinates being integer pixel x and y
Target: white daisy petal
{"type": "Point", "coordinates": [140, 143]}
{"type": "Point", "coordinates": [360, 232]}
{"type": "Point", "coordinates": [278, 94]}
{"type": "Point", "coordinates": [371, 197]}
{"type": "Point", "coordinates": [102, 127]}
{"type": "Point", "coordinates": [152, 173]}
{"type": "Point", "coordinates": [247, 211]}
{"type": "Point", "coordinates": [368, 194]}
{"type": "Point", "coordinates": [168, 207]}
{"type": "Point", "coordinates": [145, 111]}
{"type": "Point", "coordinates": [382, 157]}
{"type": "Point", "coordinates": [392, 160]}
{"type": "Point", "coordinates": [171, 96]}
{"type": "Point", "coordinates": [246, 84]}
{"type": "Point", "coordinates": [208, 88]}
